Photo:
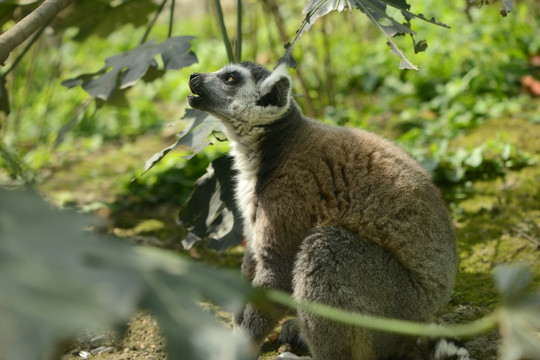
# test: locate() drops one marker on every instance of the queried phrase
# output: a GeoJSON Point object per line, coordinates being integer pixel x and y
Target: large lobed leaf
{"type": "Point", "coordinates": [376, 11]}
{"type": "Point", "coordinates": [124, 70]}
{"type": "Point", "coordinates": [199, 126]}
{"type": "Point", "coordinates": [211, 212]}
{"type": "Point", "coordinates": [57, 280]}
{"type": "Point", "coordinates": [102, 17]}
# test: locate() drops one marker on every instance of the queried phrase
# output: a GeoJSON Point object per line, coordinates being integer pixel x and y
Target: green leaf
{"type": "Point", "coordinates": [475, 158]}
{"type": "Point", "coordinates": [404, 63]}
{"type": "Point", "coordinates": [174, 287]}
{"type": "Point", "coordinates": [506, 152]}
{"type": "Point", "coordinates": [420, 46]}
{"type": "Point", "coordinates": [102, 17]}
{"type": "Point", "coordinates": [200, 125]}
{"type": "Point", "coordinates": [124, 70]}
{"type": "Point", "coordinates": [312, 11]}
{"type": "Point", "coordinates": [520, 329]}
{"type": "Point", "coordinates": [57, 280]}
{"type": "Point", "coordinates": [376, 11]}
{"type": "Point", "coordinates": [211, 212]}
{"type": "Point", "coordinates": [512, 280]}
{"type": "Point", "coordinates": [176, 52]}
{"type": "Point", "coordinates": [507, 7]}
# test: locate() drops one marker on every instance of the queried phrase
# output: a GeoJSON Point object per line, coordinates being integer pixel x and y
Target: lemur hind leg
{"type": "Point", "coordinates": [337, 268]}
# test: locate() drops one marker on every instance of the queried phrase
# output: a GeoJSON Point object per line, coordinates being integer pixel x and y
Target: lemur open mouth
{"type": "Point", "coordinates": [194, 90]}
{"type": "Point", "coordinates": [195, 82]}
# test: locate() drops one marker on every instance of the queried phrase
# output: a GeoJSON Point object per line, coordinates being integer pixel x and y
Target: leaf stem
{"type": "Point", "coordinates": [300, 31]}
{"type": "Point", "coordinates": [171, 18]}
{"type": "Point", "coordinates": [394, 49]}
{"type": "Point", "coordinates": [239, 31]}
{"type": "Point", "coordinates": [226, 40]}
{"type": "Point", "coordinates": [153, 21]}
{"type": "Point", "coordinates": [384, 324]}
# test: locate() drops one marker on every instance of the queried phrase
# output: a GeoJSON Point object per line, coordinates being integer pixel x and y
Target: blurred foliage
{"type": "Point", "coordinates": [57, 280]}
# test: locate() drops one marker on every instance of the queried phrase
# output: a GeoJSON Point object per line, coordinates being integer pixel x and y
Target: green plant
{"type": "Point", "coordinates": [458, 90]}
{"type": "Point", "coordinates": [58, 280]}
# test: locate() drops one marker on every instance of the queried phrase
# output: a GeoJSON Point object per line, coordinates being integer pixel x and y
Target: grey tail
{"type": "Point", "coordinates": [449, 350]}
{"type": "Point", "coordinates": [440, 349]}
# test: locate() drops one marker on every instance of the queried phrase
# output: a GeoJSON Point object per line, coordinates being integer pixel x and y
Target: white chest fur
{"type": "Point", "coordinates": [247, 163]}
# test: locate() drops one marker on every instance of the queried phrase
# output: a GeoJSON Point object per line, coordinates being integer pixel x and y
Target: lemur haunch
{"type": "Point", "coordinates": [335, 216]}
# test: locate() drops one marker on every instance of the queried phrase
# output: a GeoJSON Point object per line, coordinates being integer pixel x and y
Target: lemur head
{"type": "Point", "coordinates": [243, 95]}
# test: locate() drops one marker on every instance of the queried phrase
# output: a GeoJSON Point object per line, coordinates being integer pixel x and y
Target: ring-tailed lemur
{"type": "Point", "coordinates": [335, 216]}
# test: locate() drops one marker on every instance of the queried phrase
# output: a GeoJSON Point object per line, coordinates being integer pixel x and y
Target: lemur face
{"type": "Point", "coordinates": [242, 94]}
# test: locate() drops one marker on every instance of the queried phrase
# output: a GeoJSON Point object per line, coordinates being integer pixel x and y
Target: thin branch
{"type": "Point", "coordinates": [226, 40]}
{"type": "Point", "coordinates": [171, 19]}
{"type": "Point", "coordinates": [411, 328]}
{"type": "Point", "coordinates": [27, 26]}
{"type": "Point", "coordinates": [153, 21]}
{"type": "Point", "coordinates": [239, 31]}
{"type": "Point", "coordinates": [272, 7]}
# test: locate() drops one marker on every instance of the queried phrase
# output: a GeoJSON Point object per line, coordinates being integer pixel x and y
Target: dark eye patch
{"type": "Point", "coordinates": [232, 78]}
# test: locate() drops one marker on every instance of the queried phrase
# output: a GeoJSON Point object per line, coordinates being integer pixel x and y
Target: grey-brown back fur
{"type": "Point", "coordinates": [337, 216]}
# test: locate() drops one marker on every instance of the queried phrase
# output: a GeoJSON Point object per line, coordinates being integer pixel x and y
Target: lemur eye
{"type": "Point", "coordinates": [229, 78]}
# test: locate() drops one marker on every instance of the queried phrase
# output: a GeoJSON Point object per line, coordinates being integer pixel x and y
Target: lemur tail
{"type": "Point", "coordinates": [449, 350]}
{"type": "Point", "coordinates": [441, 349]}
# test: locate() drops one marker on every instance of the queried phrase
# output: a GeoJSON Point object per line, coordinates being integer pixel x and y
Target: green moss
{"type": "Point", "coordinates": [515, 130]}
{"type": "Point", "coordinates": [499, 221]}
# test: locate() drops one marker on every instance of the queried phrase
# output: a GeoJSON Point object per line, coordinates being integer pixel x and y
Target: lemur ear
{"type": "Point", "coordinates": [276, 88]}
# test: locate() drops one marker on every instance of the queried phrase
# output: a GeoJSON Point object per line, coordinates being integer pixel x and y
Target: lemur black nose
{"type": "Point", "coordinates": [194, 82]}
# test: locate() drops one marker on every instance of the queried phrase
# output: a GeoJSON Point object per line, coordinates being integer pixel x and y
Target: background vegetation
{"type": "Point", "coordinates": [470, 114]}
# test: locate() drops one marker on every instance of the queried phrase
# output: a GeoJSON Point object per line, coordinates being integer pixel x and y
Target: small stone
{"type": "Point", "coordinates": [97, 350]}
{"type": "Point", "coordinates": [285, 348]}
{"type": "Point", "coordinates": [106, 350]}
{"type": "Point", "coordinates": [84, 355]}
{"type": "Point", "coordinates": [98, 340]}
{"type": "Point", "coordinates": [287, 355]}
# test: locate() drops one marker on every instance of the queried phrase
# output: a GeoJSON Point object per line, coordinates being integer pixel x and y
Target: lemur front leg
{"type": "Point", "coordinates": [272, 271]}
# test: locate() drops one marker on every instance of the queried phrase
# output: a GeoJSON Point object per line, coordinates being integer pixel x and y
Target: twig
{"type": "Point", "coordinates": [153, 21]}
{"type": "Point", "coordinates": [527, 236]}
{"type": "Point", "coordinates": [239, 31]}
{"type": "Point", "coordinates": [171, 19]}
{"type": "Point", "coordinates": [226, 40]}
{"type": "Point", "coordinates": [481, 325]}
{"type": "Point", "coordinates": [27, 26]}
{"type": "Point", "coordinates": [272, 7]}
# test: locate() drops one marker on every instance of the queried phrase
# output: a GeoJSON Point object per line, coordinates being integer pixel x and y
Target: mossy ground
{"type": "Point", "coordinates": [497, 221]}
